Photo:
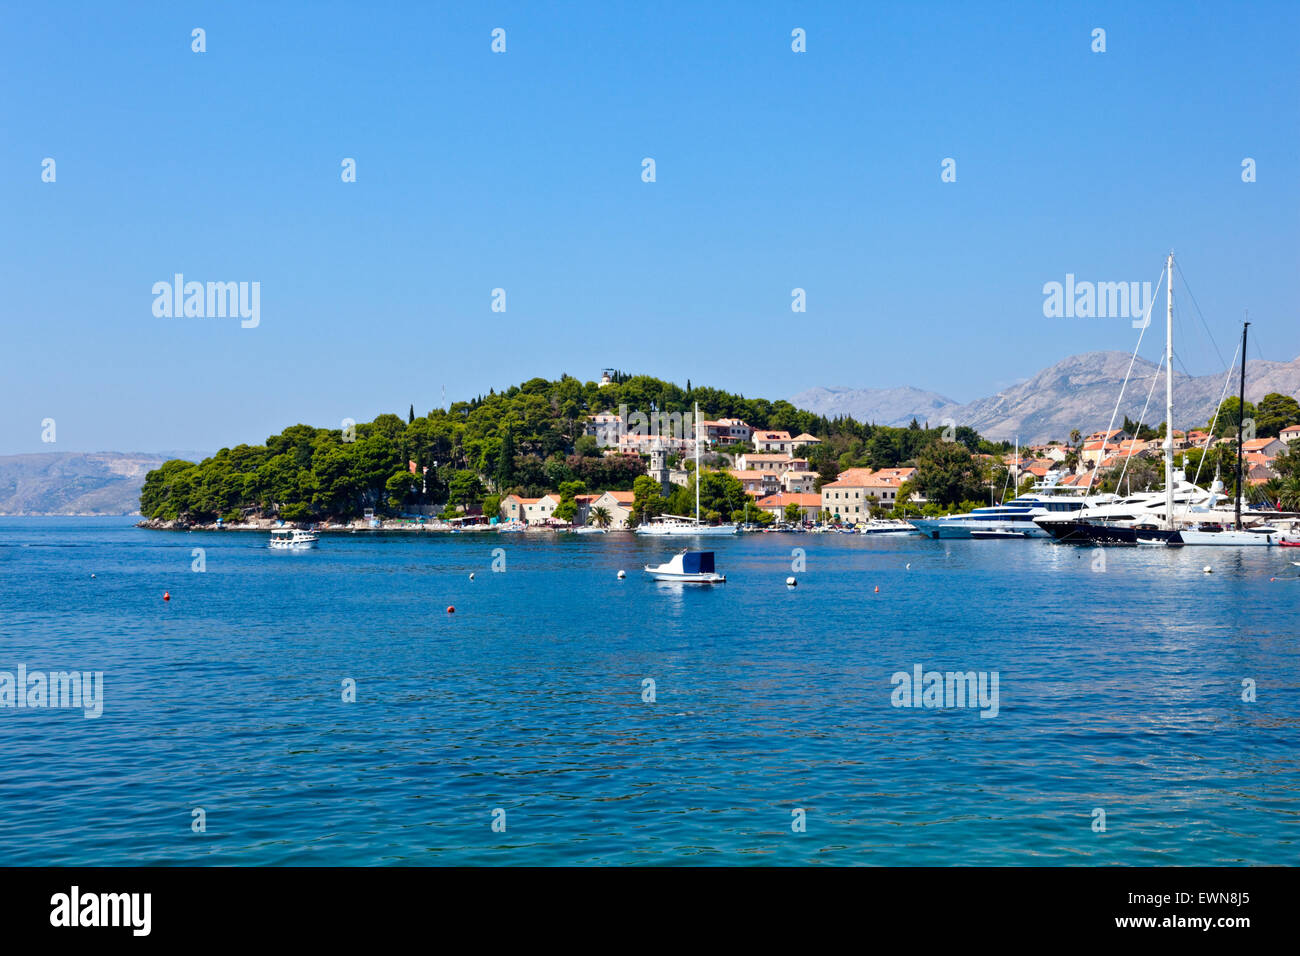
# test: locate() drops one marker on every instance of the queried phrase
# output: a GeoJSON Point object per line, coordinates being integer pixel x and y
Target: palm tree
{"type": "Point", "coordinates": [1290, 496]}
{"type": "Point", "coordinates": [600, 517]}
{"type": "Point", "coordinates": [1272, 490]}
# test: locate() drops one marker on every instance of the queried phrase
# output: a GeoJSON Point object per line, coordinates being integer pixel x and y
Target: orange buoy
{"type": "Point", "coordinates": [167, 596]}
{"type": "Point", "coordinates": [451, 609]}
{"type": "Point", "coordinates": [877, 588]}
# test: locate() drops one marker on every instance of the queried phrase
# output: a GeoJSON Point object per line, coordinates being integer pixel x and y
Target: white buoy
{"type": "Point", "coordinates": [622, 575]}
{"type": "Point", "coordinates": [1208, 570]}
{"type": "Point", "coordinates": [909, 566]}
{"type": "Point", "coordinates": [790, 582]}
{"type": "Point", "coordinates": [471, 575]}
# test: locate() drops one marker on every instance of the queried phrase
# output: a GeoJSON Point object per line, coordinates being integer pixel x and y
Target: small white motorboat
{"type": "Point", "coordinates": [292, 539]}
{"type": "Point", "coordinates": [590, 529]}
{"type": "Point", "coordinates": [886, 527]}
{"type": "Point", "coordinates": [687, 567]}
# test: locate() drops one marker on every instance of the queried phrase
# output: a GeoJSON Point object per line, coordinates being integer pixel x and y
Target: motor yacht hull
{"type": "Point", "coordinates": [939, 528]}
{"type": "Point", "coordinates": [687, 531]}
{"type": "Point", "coordinates": [1230, 538]}
{"type": "Point", "coordinates": [686, 578]}
{"type": "Point", "coordinates": [1085, 532]}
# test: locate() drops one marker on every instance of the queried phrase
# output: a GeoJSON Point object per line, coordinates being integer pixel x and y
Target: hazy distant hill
{"type": "Point", "coordinates": [75, 483]}
{"type": "Point", "coordinates": [1077, 392]}
{"type": "Point", "coordinates": [884, 406]}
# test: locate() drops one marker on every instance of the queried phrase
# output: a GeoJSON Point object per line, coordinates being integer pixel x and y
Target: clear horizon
{"type": "Point", "coordinates": [475, 171]}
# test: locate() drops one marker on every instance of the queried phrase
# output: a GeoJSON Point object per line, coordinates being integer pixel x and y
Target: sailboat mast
{"type": "Point", "coordinates": [697, 463]}
{"type": "Point", "coordinates": [1241, 421]}
{"type": "Point", "coordinates": [1169, 392]}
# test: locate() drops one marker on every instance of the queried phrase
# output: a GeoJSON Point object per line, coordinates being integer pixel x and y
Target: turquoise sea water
{"type": "Point", "coordinates": [1119, 690]}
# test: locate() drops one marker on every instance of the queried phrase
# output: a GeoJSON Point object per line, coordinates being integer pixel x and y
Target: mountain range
{"type": "Point", "coordinates": [76, 483]}
{"type": "Point", "coordinates": [1077, 392]}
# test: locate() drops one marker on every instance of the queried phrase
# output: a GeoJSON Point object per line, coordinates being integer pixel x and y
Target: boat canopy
{"type": "Point", "coordinates": [697, 562]}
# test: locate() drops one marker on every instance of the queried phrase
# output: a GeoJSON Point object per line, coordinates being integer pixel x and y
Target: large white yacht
{"type": "Point", "coordinates": [1013, 519]}
{"type": "Point", "coordinates": [1132, 519]}
{"type": "Point", "coordinates": [1183, 513]}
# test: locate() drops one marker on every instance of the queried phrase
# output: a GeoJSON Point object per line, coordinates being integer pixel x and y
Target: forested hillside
{"type": "Point", "coordinates": [528, 439]}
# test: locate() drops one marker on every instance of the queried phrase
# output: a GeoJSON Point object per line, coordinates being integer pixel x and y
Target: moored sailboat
{"type": "Point", "coordinates": [679, 525]}
{"type": "Point", "coordinates": [1209, 531]}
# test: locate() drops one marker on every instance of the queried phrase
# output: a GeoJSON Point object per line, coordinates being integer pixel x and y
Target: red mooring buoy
{"type": "Point", "coordinates": [451, 609]}
{"type": "Point", "coordinates": [167, 595]}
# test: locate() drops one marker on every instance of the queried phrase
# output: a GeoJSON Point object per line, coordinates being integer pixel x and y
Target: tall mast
{"type": "Point", "coordinates": [697, 463]}
{"type": "Point", "coordinates": [1241, 421]}
{"type": "Point", "coordinates": [1169, 392]}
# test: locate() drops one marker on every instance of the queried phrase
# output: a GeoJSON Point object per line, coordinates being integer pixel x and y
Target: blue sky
{"type": "Point", "coordinates": [522, 171]}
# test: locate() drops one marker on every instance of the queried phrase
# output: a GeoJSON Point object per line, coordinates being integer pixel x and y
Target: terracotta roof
{"type": "Point", "coordinates": [803, 500]}
{"type": "Point", "coordinates": [851, 476]}
{"type": "Point", "coordinates": [866, 478]}
{"type": "Point", "coordinates": [1072, 481]}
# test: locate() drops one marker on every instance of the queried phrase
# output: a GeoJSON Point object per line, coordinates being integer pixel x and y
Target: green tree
{"type": "Point", "coordinates": [464, 489]}
{"type": "Point", "coordinates": [946, 472]}
{"type": "Point", "coordinates": [505, 466]}
{"type": "Point", "coordinates": [647, 502]}
{"type": "Point", "coordinates": [1289, 496]}
{"type": "Point", "coordinates": [400, 486]}
{"type": "Point", "coordinates": [1229, 414]}
{"type": "Point", "coordinates": [1287, 463]}
{"type": "Point", "coordinates": [1274, 413]}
